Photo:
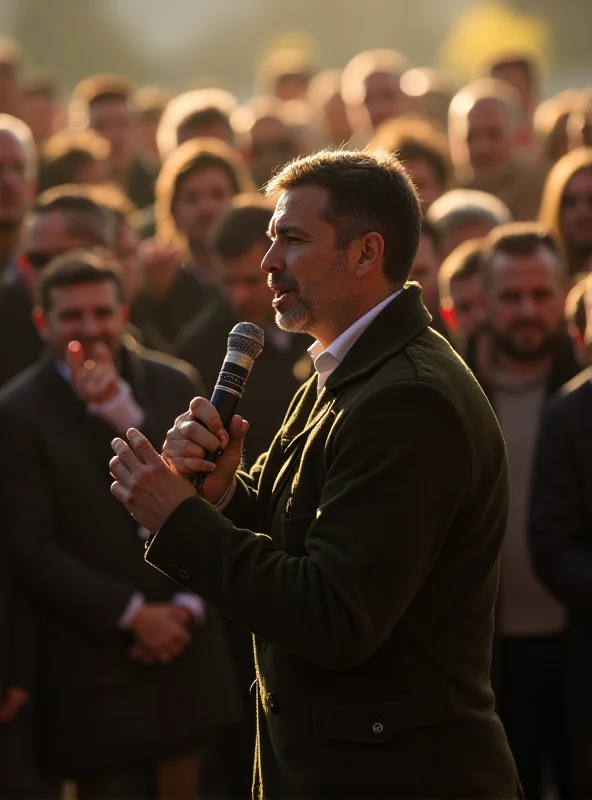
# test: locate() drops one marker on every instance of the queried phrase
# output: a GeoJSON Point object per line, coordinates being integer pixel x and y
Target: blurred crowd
{"type": "Point", "coordinates": [132, 228]}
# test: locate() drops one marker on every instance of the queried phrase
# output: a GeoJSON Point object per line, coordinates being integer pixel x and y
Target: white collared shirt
{"type": "Point", "coordinates": [326, 361]}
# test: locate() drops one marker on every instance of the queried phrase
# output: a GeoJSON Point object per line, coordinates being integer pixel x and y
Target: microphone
{"type": "Point", "coordinates": [245, 343]}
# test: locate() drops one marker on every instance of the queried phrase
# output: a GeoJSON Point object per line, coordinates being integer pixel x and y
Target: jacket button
{"type": "Point", "coordinates": [271, 702]}
{"type": "Point", "coordinates": [183, 574]}
{"type": "Point", "coordinates": [378, 727]}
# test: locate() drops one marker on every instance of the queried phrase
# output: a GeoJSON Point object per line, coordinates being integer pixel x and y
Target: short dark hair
{"type": "Point", "coordinates": [244, 225]}
{"type": "Point", "coordinates": [368, 191]}
{"type": "Point", "coordinates": [68, 151]}
{"type": "Point", "coordinates": [517, 239]}
{"type": "Point", "coordinates": [416, 139]}
{"type": "Point", "coordinates": [419, 151]}
{"type": "Point", "coordinates": [204, 117]}
{"type": "Point", "coordinates": [528, 66]}
{"type": "Point", "coordinates": [461, 264]}
{"type": "Point", "coordinates": [102, 87]}
{"type": "Point", "coordinates": [75, 268]}
{"type": "Point", "coordinates": [85, 217]}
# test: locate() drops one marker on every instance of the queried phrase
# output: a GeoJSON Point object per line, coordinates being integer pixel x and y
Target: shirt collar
{"type": "Point", "coordinates": [327, 360]}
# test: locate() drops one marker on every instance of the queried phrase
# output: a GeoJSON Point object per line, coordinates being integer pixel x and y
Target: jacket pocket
{"type": "Point", "coordinates": [293, 532]}
{"type": "Point", "coordinates": [379, 719]}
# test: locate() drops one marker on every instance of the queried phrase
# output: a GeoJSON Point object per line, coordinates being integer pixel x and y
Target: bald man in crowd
{"type": "Point", "coordinates": [486, 122]}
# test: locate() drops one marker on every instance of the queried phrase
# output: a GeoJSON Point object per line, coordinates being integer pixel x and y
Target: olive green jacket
{"type": "Point", "coordinates": [362, 552]}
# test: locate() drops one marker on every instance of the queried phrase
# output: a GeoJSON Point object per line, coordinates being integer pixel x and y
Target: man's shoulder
{"type": "Point", "coordinates": [23, 388]}
{"type": "Point", "coordinates": [430, 367]}
{"type": "Point", "coordinates": [432, 360]}
{"type": "Point", "coordinates": [210, 325]}
{"type": "Point", "coordinates": [162, 365]}
{"type": "Point", "coordinates": [574, 395]}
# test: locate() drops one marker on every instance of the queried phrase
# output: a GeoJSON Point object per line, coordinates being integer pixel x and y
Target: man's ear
{"type": "Point", "coordinates": [125, 313]}
{"type": "Point", "coordinates": [370, 249]}
{"type": "Point", "coordinates": [40, 322]}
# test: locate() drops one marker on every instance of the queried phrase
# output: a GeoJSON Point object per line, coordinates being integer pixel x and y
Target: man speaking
{"type": "Point", "coordinates": [362, 550]}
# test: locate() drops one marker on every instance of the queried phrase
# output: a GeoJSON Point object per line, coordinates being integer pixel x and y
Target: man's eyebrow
{"type": "Point", "coordinates": [289, 230]}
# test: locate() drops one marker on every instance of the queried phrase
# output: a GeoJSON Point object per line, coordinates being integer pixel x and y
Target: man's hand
{"type": "Point", "coordinates": [144, 482]}
{"type": "Point", "coordinates": [95, 379]}
{"type": "Point", "coordinates": [11, 704]}
{"type": "Point", "coordinates": [159, 263]}
{"type": "Point", "coordinates": [161, 632]}
{"type": "Point", "coordinates": [188, 442]}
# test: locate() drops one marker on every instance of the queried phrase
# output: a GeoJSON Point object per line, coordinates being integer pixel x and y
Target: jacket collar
{"type": "Point", "coordinates": [397, 324]}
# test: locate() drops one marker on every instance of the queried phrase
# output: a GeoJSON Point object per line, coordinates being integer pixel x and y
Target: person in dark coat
{"type": "Point", "coordinates": [559, 530]}
{"type": "Point", "coordinates": [19, 776]}
{"type": "Point", "coordinates": [362, 550]}
{"type": "Point", "coordinates": [131, 672]}
{"type": "Point", "coordinates": [521, 357]}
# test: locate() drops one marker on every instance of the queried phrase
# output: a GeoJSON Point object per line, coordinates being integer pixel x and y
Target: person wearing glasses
{"type": "Point", "coordinates": [57, 223]}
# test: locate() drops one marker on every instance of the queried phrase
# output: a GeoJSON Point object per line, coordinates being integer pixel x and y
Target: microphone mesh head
{"type": "Point", "coordinates": [246, 338]}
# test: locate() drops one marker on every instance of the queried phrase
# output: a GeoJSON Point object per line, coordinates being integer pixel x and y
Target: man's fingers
{"type": "Point", "coordinates": [99, 386]}
{"type": "Point", "coordinates": [120, 492]}
{"type": "Point", "coordinates": [142, 447]}
{"type": "Point", "coordinates": [75, 359]}
{"type": "Point", "coordinates": [100, 353]}
{"type": "Point", "coordinates": [119, 471]}
{"type": "Point", "coordinates": [127, 455]}
{"type": "Point", "coordinates": [195, 432]}
{"type": "Point", "coordinates": [187, 466]}
{"type": "Point", "coordinates": [202, 410]}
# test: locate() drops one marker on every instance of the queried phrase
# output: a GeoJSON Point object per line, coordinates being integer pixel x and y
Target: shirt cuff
{"type": "Point", "coordinates": [132, 608]}
{"type": "Point", "coordinates": [120, 412]}
{"type": "Point", "coordinates": [226, 497]}
{"type": "Point", "coordinates": [193, 603]}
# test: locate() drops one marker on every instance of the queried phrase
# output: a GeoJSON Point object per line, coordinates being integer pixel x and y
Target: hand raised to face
{"type": "Point", "coordinates": [95, 378]}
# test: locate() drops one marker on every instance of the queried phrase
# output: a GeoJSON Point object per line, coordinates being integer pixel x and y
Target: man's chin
{"type": "Point", "coordinates": [290, 322]}
{"type": "Point", "coordinates": [526, 354]}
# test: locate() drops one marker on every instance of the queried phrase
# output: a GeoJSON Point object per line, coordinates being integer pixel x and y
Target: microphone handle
{"type": "Point", "coordinates": [225, 397]}
{"type": "Point", "coordinates": [225, 403]}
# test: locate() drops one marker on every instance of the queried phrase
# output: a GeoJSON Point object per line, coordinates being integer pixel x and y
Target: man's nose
{"type": "Point", "coordinates": [528, 308]}
{"type": "Point", "coordinates": [89, 327]}
{"type": "Point", "coordinates": [273, 260]}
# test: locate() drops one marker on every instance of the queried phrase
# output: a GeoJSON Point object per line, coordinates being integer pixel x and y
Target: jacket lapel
{"type": "Point", "coordinates": [404, 318]}
{"type": "Point", "coordinates": [95, 442]}
{"type": "Point", "coordinates": [98, 434]}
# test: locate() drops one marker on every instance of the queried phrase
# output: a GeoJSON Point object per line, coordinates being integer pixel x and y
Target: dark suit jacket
{"type": "Point", "coordinates": [272, 383]}
{"type": "Point", "coordinates": [561, 545]}
{"type": "Point", "coordinates": [370, 585]}
{"type": "Point", "coordinates": [78, 553]}
{"type": "Point", "coordinates": [17, 635]}
{"type": "Point", "coordinates": [20, 344]}
{"type": "Point", "coordinates": [160, 321]}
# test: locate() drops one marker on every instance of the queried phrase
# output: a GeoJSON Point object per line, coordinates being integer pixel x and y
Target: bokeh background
{"type": "Point", "coordinates": [177, 41]}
